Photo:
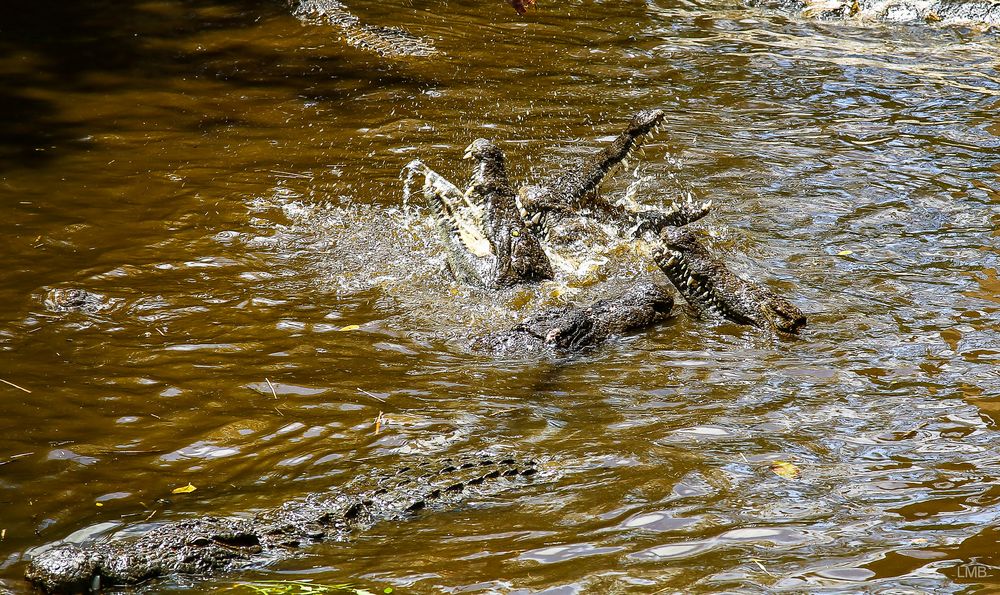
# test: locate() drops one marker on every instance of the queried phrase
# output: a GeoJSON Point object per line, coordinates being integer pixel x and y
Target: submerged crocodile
{"type": "Point", "coordinates": [977, 14]}
{"type": "Point", "coordinates": [385, 41]}
{"type": "Point", "coordinates": [571, 328]}
{"type": "Point", "coordinates": [713, 290]}
{"type": "Point", "coordinates": [205, 545]}
{"type": "Point", "coordinates": [73, 299]}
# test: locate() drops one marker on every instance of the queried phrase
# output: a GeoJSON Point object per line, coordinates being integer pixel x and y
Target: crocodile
{"type": "Point", "coordinates": [976, 14]}
{"type": "Point", "coordinates": [714, 291]}
{"type": "Point", "coordinates": [486, 228]}
{"type": "Point", "coordinates": [384, 41]}
{"type": "Point", "coordinates": [576, 189]}
{"type": "Point", "coordinates": [487, 245]}
{"type": "Point", "coordinates": [74, 299]}
{"type": "Point", "coordinates": [571, 329]}
{"type": "Point", "coordinates": [388, 42]}
{"type": "Point", "coordinates": [209, 544]}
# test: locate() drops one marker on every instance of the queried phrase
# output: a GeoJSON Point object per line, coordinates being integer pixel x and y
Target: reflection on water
{"type": "Point", "coordinates": [227, 180]}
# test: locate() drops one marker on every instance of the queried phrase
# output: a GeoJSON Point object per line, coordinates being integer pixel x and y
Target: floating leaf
{"type": "Point", "coordinates": [350, 327]}
{"type": "Point", "coordinates": [785, 469]}
{"type": "Point", "coordinates": [845, 252]}
{"type": "Point", "coordinates": [184, 490]}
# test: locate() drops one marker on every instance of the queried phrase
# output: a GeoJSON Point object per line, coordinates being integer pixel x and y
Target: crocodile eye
{"type": "Point", "coordinates": [515, 233]}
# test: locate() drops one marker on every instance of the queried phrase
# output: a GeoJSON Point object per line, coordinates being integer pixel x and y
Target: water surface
{"type": "Point", "coordinates": [228, 179]}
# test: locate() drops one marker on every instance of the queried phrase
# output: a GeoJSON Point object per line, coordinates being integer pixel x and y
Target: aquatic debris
{"type": "Point", "coordinates": [184, 489]}
{"type": "Point", "coordinates": [785, 469]}
{"type": "Point", "coordinates": [8, 382]}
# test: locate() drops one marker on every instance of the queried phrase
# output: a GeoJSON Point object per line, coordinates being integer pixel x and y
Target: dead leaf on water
{"type": "Point", "coordinates": [184, 490]}
{"type": "Point", "coordinates": [350, 327]}
{"type": "Point", "coordinates": [521, 6]}
{"type": "Point", "coordinates": [785, 469]}
{"type": "Point", "coordinates": [845, 252]}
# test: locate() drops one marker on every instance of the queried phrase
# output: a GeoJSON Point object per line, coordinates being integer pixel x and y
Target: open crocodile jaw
{"type": "Point", "coordinates": [646, 121]}
{"type": "Point", "coordinates": [563, 193]}
{"type": "Point", "coordinates": [713, 289]}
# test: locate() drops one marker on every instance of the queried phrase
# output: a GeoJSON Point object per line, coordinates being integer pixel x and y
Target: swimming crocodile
{"type": "Point", "coordinates": [572, 328]}
{"type": "Point", "coordinates": [208, 544]}
{"type": "Point", "coordinates": [977, 14]}
{"type": "Point", "coordinates": [713, 290]}
{"type": "Point", "coordinates": [384, 41]}
{"type": "Point", "coordinates": [74, 299]}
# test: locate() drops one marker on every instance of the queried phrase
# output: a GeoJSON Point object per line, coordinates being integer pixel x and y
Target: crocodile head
{"type": "Point", "coordinates": [66, 568]}
{"type": "Point", "coordinates": [485, 151]}
{"type": "Point", "coordinates": [645, 122]}
{"type": "Point", "coordinates": [490, 172]}
{"type": "Point", "coordinates": [519, 255]}
{"type": "Point", "coordinates": [487, 241]}
{"type": "Point", "coordinates": [711, 288]}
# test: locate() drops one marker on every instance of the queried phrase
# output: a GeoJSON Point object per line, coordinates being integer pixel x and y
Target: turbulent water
{"type": "Point", "coordinates": [228, 179]}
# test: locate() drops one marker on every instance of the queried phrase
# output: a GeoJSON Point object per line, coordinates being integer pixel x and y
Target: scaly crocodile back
{"type": "Point", "coordinates": [384, 41]}
{"type": "Point", "coordinates": [210, 544]}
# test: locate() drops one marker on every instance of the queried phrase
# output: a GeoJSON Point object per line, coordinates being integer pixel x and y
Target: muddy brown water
{"type": "Point", "coordinates": [228, 179]}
